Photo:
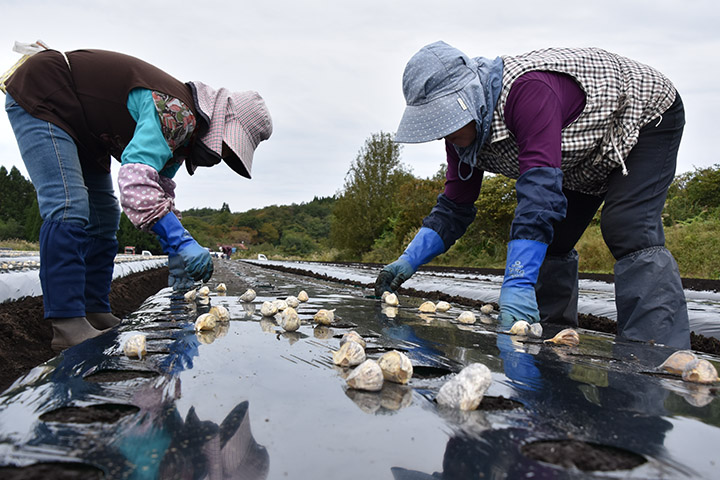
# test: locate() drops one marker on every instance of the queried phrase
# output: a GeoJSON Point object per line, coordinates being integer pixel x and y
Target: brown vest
{"type": "Point", "coordinates": [88, 99]}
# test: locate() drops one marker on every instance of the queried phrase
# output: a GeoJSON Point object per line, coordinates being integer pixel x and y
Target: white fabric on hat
{"type": "Point", "coordinates": [240, 119]}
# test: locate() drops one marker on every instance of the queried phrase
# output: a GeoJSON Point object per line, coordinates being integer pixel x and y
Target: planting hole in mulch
{"type": "Point", "coordinates": [498, 403]}
{"type": "Point", "coordinates": [584, 456]}
{"type": "Point", "coordinates": [105, 413]}
{"type": "Point", "coordinates": [421, 371]}
{"type": "Point", "coordinates": [55, 471]}
{"type": "Point", "coordinates": [118, 375]}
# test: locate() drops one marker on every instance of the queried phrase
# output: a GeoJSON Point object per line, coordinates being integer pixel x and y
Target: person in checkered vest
{"type": "Point", "coordinates": [577, 128]}
{"type": "Point", "coordinates": [71, 112]}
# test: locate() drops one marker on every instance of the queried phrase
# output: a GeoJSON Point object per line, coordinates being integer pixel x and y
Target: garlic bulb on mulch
{"type": "Point", "coordinates": [396, 367]}
{"type": "Point", "coordinates": [366, 376]}
{"type": "Point", "coordinates": [565, 337]}
{"type": "Point", "coordinates": [135, 346]}
{"type": "Point", "coordinates": [466, 389]}
{"type": "Point", "coordinates": [289, 320]}
{"type": "Point", "coordinates": [466, 317]}
{"type": "Point", "coordinates": [325, 317]}
{"type": "Point", "coordinates": [350, 354]}
{"type": "Point", "coordinates": [248, 296]}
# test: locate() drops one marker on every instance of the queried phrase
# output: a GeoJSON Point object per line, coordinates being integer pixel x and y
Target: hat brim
{"type": "Point", "coordinates": [241, 161]}
{"type": "Point", "coordinates": [433, 120]}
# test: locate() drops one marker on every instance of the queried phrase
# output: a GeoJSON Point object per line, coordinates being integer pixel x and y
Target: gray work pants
{"type": "Point", "coordinates": [648, 292]}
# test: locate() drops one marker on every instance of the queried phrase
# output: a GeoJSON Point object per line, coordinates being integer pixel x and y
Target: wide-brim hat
{"type": "Point", "coordinates": [433, 84]}
{"type": "Point", "coordinates": [239, 119]}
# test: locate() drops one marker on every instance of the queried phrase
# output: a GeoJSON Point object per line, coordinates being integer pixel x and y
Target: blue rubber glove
{"type": "Point", "coordinates": [175, 240]}
{"type": "Point", "coordinates": [517, 295]}
{"type": "Point", "coordinates": [426, 245]}
{"type": "Point", "coordinates": [178, 278]}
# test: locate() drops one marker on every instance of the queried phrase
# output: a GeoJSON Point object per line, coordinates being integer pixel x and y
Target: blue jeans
{"type": "Point", "coordinates": [66, 191]}
{"type": "Point", "coordinates": [80, 217]}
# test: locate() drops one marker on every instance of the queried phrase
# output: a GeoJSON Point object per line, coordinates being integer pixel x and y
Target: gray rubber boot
{"type": "Point", "coordinates": [102, 320]}
{"type": "Point", "coordinates": [68, 332]}
{"type": "Point", "coordinates": [556, 289]}
{"type": "Point", "coordinates": [650, 299]}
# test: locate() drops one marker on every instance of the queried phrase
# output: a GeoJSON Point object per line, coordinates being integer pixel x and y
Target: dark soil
{"type": "Point", "coordinates": [498, 403]}
{"type": "Point", "coordinates": [582, 455]}
{"type": "Point", "coordinates": [25, 335]}
{"type": "Point", "coordinates": [105, 413]}
{"type": "Point", "coordinates": [54, 471]}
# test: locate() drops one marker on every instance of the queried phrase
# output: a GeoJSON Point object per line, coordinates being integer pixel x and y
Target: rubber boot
{"type": "Point", "coordinates": [102, 320]}
{"type": "Point", "coordinates": [68, 332]}
{"type": "Point", "coordinates": [556, 289]}
{"type": "Point", "coordinates": [63, 247]}
{"type": "Point", "coordinates": [99, 264]}
{"type": "Point", "coordinates": [650, 299]}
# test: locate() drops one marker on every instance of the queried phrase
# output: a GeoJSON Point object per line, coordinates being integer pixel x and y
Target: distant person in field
{"type": "Point", "coordinates": [576, 127]}
{"type": "Point", "coordinates": [70, 113]}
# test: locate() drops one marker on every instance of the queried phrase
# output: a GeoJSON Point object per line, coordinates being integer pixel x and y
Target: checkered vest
{"type": "Point", "coordinates": [622, 96]}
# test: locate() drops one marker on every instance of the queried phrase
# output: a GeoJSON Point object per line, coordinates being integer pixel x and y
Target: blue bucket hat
{"type": "Point", "coordinates": [445, 90]}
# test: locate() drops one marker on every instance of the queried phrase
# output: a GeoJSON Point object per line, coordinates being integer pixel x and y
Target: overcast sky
{"type": "Point", "coordinates": [331, 72]}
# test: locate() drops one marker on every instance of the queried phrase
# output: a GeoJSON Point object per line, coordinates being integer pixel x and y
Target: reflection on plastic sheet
{"type": "Point", "coordinates": [186, 409]}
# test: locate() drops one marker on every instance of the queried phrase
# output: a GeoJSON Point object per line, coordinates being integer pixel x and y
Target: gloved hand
{"type": "Point", "coordinates": [392, 276]}
{"type": "Point", "coordinates": [517, 295]}
{"type": "Point", "coordinates": [175, 240]}
{"type": "Point", "coordinates": [178, 278]}
{"type": "Point", "coordinates": [426, 245]}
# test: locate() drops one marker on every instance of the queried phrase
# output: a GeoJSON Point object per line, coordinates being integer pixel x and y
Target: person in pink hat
{"type": "Point", "coordinates": [70, 113]}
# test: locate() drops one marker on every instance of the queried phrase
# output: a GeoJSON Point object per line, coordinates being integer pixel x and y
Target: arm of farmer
{"type": "Point", "coordinates": [447, 222]}
{"type": "Point", "coordinates": [147, 198]}
{"type": "Point", "coordinates": [534, 114]}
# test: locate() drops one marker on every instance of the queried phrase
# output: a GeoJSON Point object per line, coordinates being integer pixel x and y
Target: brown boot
{"type": "Point", "coordinates": [102, 320]}
{"type": "Point", "coordinates": [68, 332]}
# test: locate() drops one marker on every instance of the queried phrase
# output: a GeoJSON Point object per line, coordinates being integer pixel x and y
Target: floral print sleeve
{"type": "Point", "coordinates": [163, 125]}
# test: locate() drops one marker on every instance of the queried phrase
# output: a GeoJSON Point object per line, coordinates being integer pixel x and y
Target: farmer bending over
{"type": "Point", "coordinates": [70, 113]}
{"type": "Point", "coordinates": [576, 127]}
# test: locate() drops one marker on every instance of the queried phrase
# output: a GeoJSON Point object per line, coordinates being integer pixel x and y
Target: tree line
{"type": "Point", "coordinates": [380, 207]}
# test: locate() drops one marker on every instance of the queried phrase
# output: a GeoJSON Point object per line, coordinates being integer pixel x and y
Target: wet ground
{"type": "Point", "coordinates": [251, 401]}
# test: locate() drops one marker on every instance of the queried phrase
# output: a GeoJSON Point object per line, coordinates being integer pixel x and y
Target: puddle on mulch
{"type": "Point", "coordinates": [104, 413]}
{"type": "Point", "coordinates": [584, 456]}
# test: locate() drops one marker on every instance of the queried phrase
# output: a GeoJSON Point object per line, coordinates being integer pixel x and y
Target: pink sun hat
{"type": "Point", "coordinates": [240, 119]}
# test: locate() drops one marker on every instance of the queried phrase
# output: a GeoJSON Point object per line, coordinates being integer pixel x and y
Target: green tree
{"type": "Point", "coordinates": [296, 243]}
{"type": "Point", "coordinates": [361, 213]}
{"type": "Point", "coordinates": [129, 235]}
{"type": "Point", "coordinates": [693, 194]}
{"type": "Point", "coordinates": [32, 222]}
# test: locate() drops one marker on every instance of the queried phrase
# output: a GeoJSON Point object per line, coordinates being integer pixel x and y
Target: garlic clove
{"type": "Point", "coordinates": [366, 376]}
{"type": "Point", "coordinates": [135, 346]}
{"type": "Point", "coordinates": [349, 355]}
{"type": "Point", "coordinates": [678, 361]}
{"type": "Point", "coordinates": [396, 367]}
{"type": "Point", "coordinates": [466, 389]}
{"type": "Point", "coordinates": [325, 317]}
{"type": "Point", "coordinates": [565, 337]}
{"type": "Point", "coordinates": [248, 296]}
{"type": "Point", "coordinates": [466, 317]}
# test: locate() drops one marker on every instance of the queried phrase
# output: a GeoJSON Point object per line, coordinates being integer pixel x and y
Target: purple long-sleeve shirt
{"type": "Point", "coordinates": [540, 104]}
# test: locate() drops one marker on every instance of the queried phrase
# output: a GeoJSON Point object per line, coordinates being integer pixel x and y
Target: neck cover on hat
{"type": "Point", "coordinates": [445, 90]}
{"type": "Point", "coordinates": [482, 93]}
